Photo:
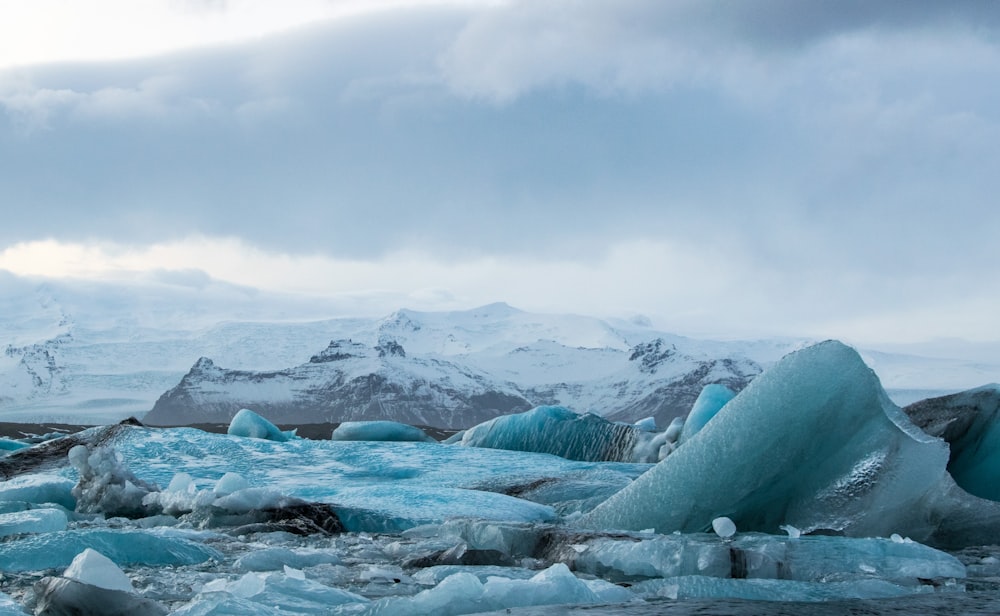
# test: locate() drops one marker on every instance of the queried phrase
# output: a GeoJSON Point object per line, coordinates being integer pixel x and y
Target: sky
{"type": "Point", "coordinates": [727, 169]}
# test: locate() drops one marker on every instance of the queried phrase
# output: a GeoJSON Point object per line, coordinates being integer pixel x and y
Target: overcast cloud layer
{"type": "Point", "coordinates": [833, 166]}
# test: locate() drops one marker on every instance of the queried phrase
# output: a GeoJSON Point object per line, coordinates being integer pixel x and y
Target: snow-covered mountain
{"type": "Point", "coordinates": [97, 353]}
{"type": "Point", "coordinates": [352, 381]}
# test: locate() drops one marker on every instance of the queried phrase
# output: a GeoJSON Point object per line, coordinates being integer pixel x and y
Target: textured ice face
{"type": "Point", "coordinates": [560, 431]}
{"type": "Point", "coordinates": [814, 442]}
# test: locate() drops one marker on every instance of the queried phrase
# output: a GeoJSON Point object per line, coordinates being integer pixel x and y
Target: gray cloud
{"type": "Point", "coordinates": [832, 136]}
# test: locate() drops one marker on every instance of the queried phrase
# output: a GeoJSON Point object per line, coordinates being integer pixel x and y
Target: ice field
{"type": "Point", "coordinates": [808, 486]}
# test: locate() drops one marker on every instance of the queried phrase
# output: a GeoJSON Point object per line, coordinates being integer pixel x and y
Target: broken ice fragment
{"type": "Point", "coordinates": [723, 527]}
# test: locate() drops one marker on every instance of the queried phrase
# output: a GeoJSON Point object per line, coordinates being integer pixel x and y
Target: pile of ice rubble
{"type": "Point", "coordinates": [810, 485]}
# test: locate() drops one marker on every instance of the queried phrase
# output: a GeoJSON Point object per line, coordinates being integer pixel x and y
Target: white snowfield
{"type": "Point", "coordinates": [98, 354]}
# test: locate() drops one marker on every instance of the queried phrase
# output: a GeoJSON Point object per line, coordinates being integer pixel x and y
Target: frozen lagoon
{"type": "Point", "coordinates": [223, 524]}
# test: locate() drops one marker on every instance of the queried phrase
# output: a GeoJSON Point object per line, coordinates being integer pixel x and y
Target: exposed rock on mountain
{"type": "Point", "coordinates": [351, 381]}
{"type": "Point", "coordinates": [348, 381]}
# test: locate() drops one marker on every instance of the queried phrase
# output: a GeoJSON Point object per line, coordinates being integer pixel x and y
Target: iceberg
{"type": "Point", "coordinates": [248, 424]}
{"type": "Point", "coordinates": [559, 431]}
{"type": "Point", "coordinates": [58, 549]}
{"type": "Point", "coordinates": [815, 443]}
{"type": "Point", "coordinates": [379, 431]}
{"type": "Point", "coordinates": [710, 401]}
{"type": "Point", "coordinates": [970, 422]}
{"type": "Point", "coordinates": [32, 521]}
{"type": "Point", "coordinates": [39, 489]}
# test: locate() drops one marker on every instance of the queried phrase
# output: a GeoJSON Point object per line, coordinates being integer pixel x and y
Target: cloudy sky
{"type": "Point", "coordinates": [829, 168]}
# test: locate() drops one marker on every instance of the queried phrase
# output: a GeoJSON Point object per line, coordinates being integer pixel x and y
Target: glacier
{"type": "Point", "coordinates": [817, 488]}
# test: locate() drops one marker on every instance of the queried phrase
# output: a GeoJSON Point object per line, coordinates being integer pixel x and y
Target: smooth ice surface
{"type": "Point", "coordinates": [559, 431]}
{"type": "Point", "coordinates": [92, 567]}
{"type": "Point", "coordinates": [39, 489]}
{"type": "Point", "coordinates": [378, 431]}
{"type": "Point", "coordinates": [251, 425]}
{"type": "Point", "coordinates": [710, 401]}
{"type": "Point", "coordinates": [375, 486]}
{"type": "Point", "coordinates": [32, 521]}
{"type": "Point", "coordinates": [756, 555]}
{"type": "Point", "coordinates": [724, 527]}
{"type": "Point", "coordinates": [7, 444]}
{"type": "Point", "coordinates": [58, 549]}
{"type": "Point", "coordinates": [277, 558]}
{"type": "Point", "coordinates": [813, 442]}
{"type": "Point", "coordinates": [703, 587]}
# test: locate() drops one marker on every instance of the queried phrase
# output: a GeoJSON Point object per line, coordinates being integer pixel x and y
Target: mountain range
{"type": "Point", "coordinates": [97, 355]}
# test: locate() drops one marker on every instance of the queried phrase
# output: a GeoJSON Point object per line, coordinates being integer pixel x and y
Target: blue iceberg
{"type": "Point", "coordinates": [125, 547]}
{"type": "Point", "coordinates": [814, 443]}
{"type": "Point", "coordinates": [379, 431]}
{"type": "Point", "coordinates": [559, 431]}
{"type": "Point", "coordinates": [248, 424]}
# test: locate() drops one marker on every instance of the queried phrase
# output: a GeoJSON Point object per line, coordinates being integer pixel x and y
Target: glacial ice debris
{"type": "Point", "coordinates": [106, 485]}
{"type": "Point", "coordinates": [636, 556]}
{"type": "Point", "coordinates": [60, 596]}
{"type": "Point", "coordinates": [92, 567]}
{"type": "Point", "coordinates": [724, 527]}
{"type": "Point", "coordinates": [464, 593]}
{"type": "Point", "coordinates": [813, 442]}
{"type": "Point", "coordinates": [559, 431]}
{"type": "Point", "coordinates": [92, 584]}
{"type": "Point", "coordinates": [970, 423]}
{"type": "Point", "coordinates": [286, 592]}
{"type": "Point", "coordinates": [379, 431]}
{"type": "Point", "coordinates": [248, 424]}
{"type": "Point", "coordinates": [756, 589]}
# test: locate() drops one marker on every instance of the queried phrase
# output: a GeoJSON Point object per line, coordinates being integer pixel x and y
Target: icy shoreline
{"type": "Point", "coordinates": [808, 486]}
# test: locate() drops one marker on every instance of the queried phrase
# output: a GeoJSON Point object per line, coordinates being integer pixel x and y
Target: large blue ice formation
{"type": "Point", "coordinates": [710, 401]}
{"type": "Point", "coordinates": [58, 549]}
{"type": "Point", "coordinates": [379, 431]}
{"type": "Point", "coordinates": [970, 422]}
{"type": "Point", "coordinates": [249, 424]}
{"type": "Point", "coordinates": [813, 442]}
{"type": "Point", "coordinates": [559, 431]}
